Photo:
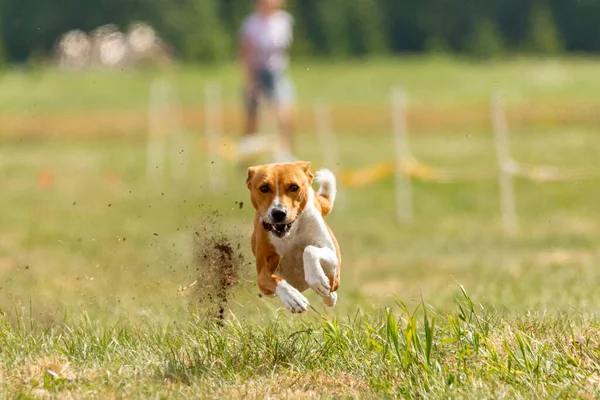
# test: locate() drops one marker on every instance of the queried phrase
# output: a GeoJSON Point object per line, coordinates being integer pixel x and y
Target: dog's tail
{"type": "Point", "coordinates": [327, 190]}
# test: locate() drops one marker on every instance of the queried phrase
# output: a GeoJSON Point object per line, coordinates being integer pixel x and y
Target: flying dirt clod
{"type": "Point", "coordinates": [218, 261]}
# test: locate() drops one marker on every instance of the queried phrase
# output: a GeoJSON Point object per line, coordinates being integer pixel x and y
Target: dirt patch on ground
{"type": "Point", "coordinates": [218, 262]}
{"type": "Point", "coordinates": [297, 386]}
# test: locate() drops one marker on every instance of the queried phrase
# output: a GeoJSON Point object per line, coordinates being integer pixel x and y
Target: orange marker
{"type": "Point", "coordinates": [46, 179]}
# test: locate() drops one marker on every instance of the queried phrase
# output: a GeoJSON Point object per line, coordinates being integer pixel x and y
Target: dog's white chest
{"type": "Point", "coordinates": [291, 265]}
{"type": "Point", "coordinates": [310, 229]}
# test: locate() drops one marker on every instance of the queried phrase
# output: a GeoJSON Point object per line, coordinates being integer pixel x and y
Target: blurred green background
{"type": "Point", "coordinates": [205, 30]}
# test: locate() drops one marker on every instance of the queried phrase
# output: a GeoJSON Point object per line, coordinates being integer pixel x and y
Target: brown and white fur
{"type": "Point", "coordinates": [293, 246]}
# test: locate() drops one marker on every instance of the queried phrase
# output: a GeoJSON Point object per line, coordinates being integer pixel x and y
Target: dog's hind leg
{"type": "Point", "coordinates": [320, 265]}
{"type": "Point", "coordinates": [330, 300]}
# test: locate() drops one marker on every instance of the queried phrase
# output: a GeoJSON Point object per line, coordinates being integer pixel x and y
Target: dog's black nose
{"type": "Point", "coordinates": [278, 215]}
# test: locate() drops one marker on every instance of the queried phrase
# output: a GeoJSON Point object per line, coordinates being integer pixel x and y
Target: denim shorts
{"type": "Point", "coordinates": [275, 86]}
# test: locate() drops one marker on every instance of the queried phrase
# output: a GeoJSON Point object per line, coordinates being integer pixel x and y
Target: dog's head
{"type": "Point", "coordinates": [279, 193]}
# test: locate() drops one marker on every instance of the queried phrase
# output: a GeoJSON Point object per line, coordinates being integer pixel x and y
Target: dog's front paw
{"type": "Point", "coordinates": [291, 297]}
{"type": "Point", "coordinates": [318, 281]}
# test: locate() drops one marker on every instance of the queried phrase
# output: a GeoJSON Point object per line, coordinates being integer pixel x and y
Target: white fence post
{"type": "Point", "coordinates": [325, 134]}
{"type": "Point", "coordinates": [507, 195]}
{"type": "Point", "coordinates": [178, 143]}
{"type": "Point", "coordinates": [403, 184]}
{"type": "Point", "coordinates": [166, 141]}
{"type": "Point", "coordinates": [155, 162]}
{"type": "Point", "coordinates": [212, 129]}
{"type": "Point", "coordinates": [326, 137]}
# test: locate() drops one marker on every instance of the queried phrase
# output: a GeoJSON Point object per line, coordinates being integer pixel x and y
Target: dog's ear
{"type": "Point", "coordinates": [305, 166]}
{"type": "Point", "coordinates": [251, 172]}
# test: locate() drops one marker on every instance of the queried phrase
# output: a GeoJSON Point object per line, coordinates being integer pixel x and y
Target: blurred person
{"type": "Point", "coordinates": [264, 41]}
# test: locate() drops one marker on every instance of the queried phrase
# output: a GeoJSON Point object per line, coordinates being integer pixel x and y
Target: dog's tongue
{"type": "Point", "coordinates": [277, 228]}
{"type": "Point", "coordinates": [280, 228]}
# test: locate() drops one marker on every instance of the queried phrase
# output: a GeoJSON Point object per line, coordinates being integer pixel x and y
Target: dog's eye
{"type": "Point", "coordinates": [294, 188]}
{"type": "Point", "coordinates": [264, 188]}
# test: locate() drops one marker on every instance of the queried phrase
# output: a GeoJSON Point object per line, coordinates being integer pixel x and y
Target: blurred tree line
{"type": "Point", "coordinates": [206, 30]}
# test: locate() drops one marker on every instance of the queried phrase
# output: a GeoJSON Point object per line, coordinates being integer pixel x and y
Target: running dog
{"type": "Point", "coordinates": [293, 246]}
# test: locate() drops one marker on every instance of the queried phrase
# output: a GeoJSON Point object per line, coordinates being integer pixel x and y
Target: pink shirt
{"type": "Point", "coordinates": [271, 38]}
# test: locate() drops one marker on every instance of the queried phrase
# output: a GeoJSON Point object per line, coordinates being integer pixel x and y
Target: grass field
{"type": "Point", "coordinates": [92, 254]}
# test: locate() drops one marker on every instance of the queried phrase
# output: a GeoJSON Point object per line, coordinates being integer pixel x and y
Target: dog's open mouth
{"type": "Point", "coordinates": [279, 230]}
